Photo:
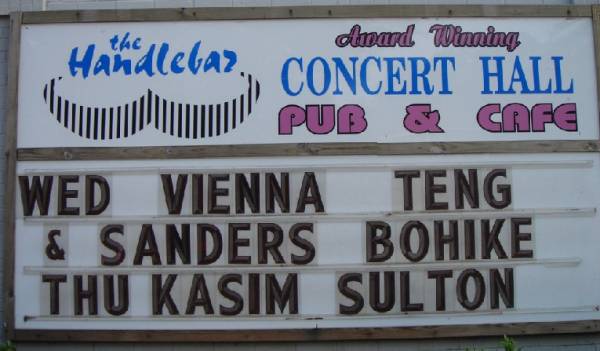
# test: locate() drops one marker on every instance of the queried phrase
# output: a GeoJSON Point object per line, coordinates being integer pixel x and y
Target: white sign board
{"type": "Point", "coordinates": [344, 80]}
{"type": "Point", "coordinates": [305, 242]}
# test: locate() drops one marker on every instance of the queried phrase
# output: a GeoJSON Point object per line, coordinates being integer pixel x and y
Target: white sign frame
{"type": "Point", "coordinates": [15, 154]}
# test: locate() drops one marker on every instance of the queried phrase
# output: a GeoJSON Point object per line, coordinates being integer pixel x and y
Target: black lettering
{"type": "Point", "coordinates": [238, 301]}
{"type": "Point", "coordinates": [286, 295]}
{"type": "Point", "coordinates": [269, 246]}
{"type": "Point", "coordinates": [109, 294]}
{"type": "Point", "coordinates": [374, 240]}
{"type": "Point", "coordinates": [405, 304]}
{"type": "Point", "coordinates": [451, 239]}
{"type": "Point", "coordinates": [469, 239]}
{"type": "Point", "coordinates": [199, 296]}
{"type": "Point", "coordinates": [351, 294]}
{"type": "Point", "coordinates": [217, 242]}
{"type": "Point", "coordinates": [91, 294]}
{"type": "Point", "coordinates": [161, 294]}
{"type": "Point", "coordinates": [174, 197]}
{"type": "Point", "coordinates": [503, 189]}
{"type": "Point", "coordinates": [245, 192]}
{"type": "Point", "coordinates": [214, 192]}
{"type": "Point", "coordinates": [146, 239]}
{"type": "Point", "coordinates": [277, 192]}
{"type": "Point", "coordinates": [254, 293]}
{"type": "Point", "coordinates": [517, 236]}
{"type": "Point", "coordinates": [490, 240]}
{"type": "Point", "coordinates": [405, 246]}
{"type": "Point", "coordinates": [37, 193]}
{"type": "Point", "coordinates": [302, 243]}
{"type": "Point", "coordinates": [113, 245]}
{"type": "Point", "coordinates": [440, 287]}
{"type": "Point", "coordinates": [466, 189]}
{"type": "Point", "coordinates": [461, 289]}
{"type": "Point", "coordinates": [179, 244]}
{"type": "Point", "coordinates": [64, 194]}
{"type": "Point", "coordinates": [197, 192]}
{"type": "Point", "coordinates": [309, 185]}
{"type": "Point", "coordinates": [91, 207]}
{"type": "Point", "coordinates": [54, 280]}
{"type": "Point", "coordinates": [235, 242]}
{"type": "Point", "coordinates": [431, 188]}
{"type": "Point", "coordinates": [407, 177]}
{"type": "Point", "coordinates": [502, 288]}
{"type": "Point", "coordinates": [389, 291]}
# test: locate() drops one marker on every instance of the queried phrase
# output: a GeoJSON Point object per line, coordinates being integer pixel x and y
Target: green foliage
{"type": "Point", "coordinates": [7, 346]}
{"type": "Point", "coordinates": [509, 344]}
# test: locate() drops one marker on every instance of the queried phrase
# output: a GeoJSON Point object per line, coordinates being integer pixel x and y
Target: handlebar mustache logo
{"type": "Point", "coordinates": [186, 120]}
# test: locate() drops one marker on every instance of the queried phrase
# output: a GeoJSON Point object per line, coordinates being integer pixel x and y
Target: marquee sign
{"type": "Point", "coordinates": [178, 229]}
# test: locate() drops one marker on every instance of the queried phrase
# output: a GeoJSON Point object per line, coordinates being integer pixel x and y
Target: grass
{"type": "Point", "coordinates": [508, 343]}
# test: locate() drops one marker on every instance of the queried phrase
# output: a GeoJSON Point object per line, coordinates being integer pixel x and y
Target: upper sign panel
{"type": "Point", "coordinates": [286, 81]}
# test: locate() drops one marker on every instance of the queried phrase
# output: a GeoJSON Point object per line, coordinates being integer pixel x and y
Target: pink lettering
{"type": "Point", "coordinates": [484, 118]}
{"type": "Point", "coordinates": [321, 119]}
{"type": "Point", "coordinates": [289, 117]}
{"type": "Point", "coordinates": [520, 118]}
{"type": "Point", "coordinates": [351, 120]}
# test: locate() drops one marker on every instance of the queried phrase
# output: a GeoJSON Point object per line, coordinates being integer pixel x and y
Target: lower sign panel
{"type": "Point", "coordinates": [304, 243]}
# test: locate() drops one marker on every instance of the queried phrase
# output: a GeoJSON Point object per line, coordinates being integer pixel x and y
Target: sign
{"type": "Point", "coordinates": [294, 243]}
{"type": "Point", "coordinates": [342, 80]}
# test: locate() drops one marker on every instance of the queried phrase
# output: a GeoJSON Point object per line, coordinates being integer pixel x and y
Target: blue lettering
{"type": "Point", "coordinates": [535, 61]}
{"type": "Point", "coordinates": [310, 73]}
{"type": "Point", "coordinates": [487, 75]}
{"type": "Point", "coordinates": [102, 65]}
{"type": "Point", "coordinates": [285, 76]}
{"type": "Point", "coordinates": [444, 64]}
{"type": "Point", "coordinates": [416, 74]}
{"type": "Point", "coordinates": [153, 59]}
{"type": "Point", "coordinates": [125, 42]}
{"type": "Point", "coordinates": [194, 63]}
{"type": "Point", "coordinates": [175, 67]}
{"type": "Point", "coordinates": [393, 75]}
{"type": "Point", "coordinates": [160, 59]}
{"type": "Point", "coordinates": [83, 64]}
{"type": "Point", "coordinates": [349, 78]}
{"type": "Point", "coordinates": [231, 57]}
{"type": "Point", "coordinates": [120, 63]}
{"type": "Point", "coordinates": [518, 76]}
{"type": "Point", "coordinates": [114, 41]}
{"type": "Point", "coordinates": [137, 44]}
{"type": "Point", "coordinates": [145, 63]}
{"type": "Point", "coordinates": [213, 61]}
{"type": "Point", "coordinates": [558, 77]}
{"type": "Point", "coordinates": [363, 75]}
